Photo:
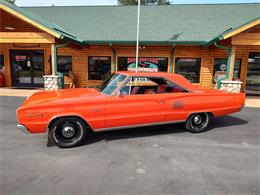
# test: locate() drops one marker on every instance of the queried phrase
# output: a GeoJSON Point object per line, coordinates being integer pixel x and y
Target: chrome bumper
{"type": "Point", "coordinates": [23, 129]}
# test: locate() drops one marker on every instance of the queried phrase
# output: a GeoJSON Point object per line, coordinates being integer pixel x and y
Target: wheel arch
{"type": "Point", "coordinates": [53, 119]}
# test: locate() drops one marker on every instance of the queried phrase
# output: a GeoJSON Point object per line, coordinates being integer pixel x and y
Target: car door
{"type": "Point", "coordinates": [141, 109]}
{"type": "Point", "coordinates": [176, 107]}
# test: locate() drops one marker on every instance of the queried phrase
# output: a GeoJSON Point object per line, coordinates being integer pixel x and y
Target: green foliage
{"type": "Point", "coordinates": [143, 2]}
{"type": "Point", "coordinates": [10, 1]}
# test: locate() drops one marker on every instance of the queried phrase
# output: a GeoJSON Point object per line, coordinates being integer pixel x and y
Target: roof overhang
{"type": "Point", "coordinates": [28, 20]}
{"type": "Point", "coordinates": [38, 22]}
{"type": "Point", "coordinates": [234, 31]}
{"type": "Point", "coordinates": [241, 28]}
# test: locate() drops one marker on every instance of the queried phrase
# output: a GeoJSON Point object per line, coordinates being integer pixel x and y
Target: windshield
{"type": "Point", "coordinates": [112, 83]}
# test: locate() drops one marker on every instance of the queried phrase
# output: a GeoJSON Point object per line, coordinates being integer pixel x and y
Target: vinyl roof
{"type": "Point", "coordinates": [166, 24]}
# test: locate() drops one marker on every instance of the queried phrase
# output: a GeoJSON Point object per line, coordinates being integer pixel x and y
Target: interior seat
{"type": "Point", "coordinates": [176, 90]}
{"type": "Point", "coordinates": [162, 88]}
{"type": "Point", "coordinates": [149, 91]}
{"type": "Point", "coordinates": [135, 90]}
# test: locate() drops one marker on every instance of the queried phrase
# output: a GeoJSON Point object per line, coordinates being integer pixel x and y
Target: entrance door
{"type": "Point", "coordinates": [253, 74]}
{"type": "Point", "coordinates": [27, 68]}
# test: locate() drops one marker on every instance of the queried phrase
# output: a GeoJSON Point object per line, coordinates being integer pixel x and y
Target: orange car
{"type": "Point", "coordinates": [126, 100]}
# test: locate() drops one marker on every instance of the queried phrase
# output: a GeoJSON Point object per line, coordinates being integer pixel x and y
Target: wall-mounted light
{"type": "Point", "coordinates": [142, 47]}
{"type": "Point", "coordinates": [9, 28]}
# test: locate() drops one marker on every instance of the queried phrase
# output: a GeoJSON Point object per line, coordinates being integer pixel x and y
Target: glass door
{"type": "Point", "coordinates": [27, 68]}
{"type": "Point", "coordinates": [253, 74]}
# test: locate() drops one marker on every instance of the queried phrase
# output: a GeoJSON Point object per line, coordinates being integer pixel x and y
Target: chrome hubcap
{"type": "Point", "coordinates": [68, 131]}
{"type": "Point", "coordinates": [197, 119]}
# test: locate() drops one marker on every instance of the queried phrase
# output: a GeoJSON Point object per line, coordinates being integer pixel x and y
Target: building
{"type": "Point", "coordinates": [197, 41]}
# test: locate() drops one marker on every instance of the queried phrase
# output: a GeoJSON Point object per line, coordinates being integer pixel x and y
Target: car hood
{"type": "Point", "coordinates": [62, 96]}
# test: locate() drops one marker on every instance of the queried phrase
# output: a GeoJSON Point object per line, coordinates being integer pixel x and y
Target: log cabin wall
{"type": "Point", "coordinates": [207, 55]}
{"type": "Point", "coordinates": [80, 58]}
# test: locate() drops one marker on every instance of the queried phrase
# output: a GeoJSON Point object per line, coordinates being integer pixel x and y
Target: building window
{"type": "Point", "coordinates": [152, 64]}
{"type": "Point", "coordinates": [220, 68]}
{"type": "Point", "coordinates": [64, 64]}
{"type": "Point", "coordinates": [2, 63]}
{"type": "Point", "coordinates": [99, 68]}
{"type": "Point", "coordinates": [253, 74]}
{"type": "Point", "coordinates": [189, 68]}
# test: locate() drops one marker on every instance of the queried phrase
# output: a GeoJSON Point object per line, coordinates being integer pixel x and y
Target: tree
{"type": "Point", "coordinates": [10, 1]}
{"type": "Point", "coordinates": [144, 2]}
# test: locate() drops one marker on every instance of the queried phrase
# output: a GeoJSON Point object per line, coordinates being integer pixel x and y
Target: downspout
{"type": "Point", "coordinates": [172, 58]}
{"type": "Point", "coordinates": [113, 57]}
{"type": "Point", "coordinates": [55, 62]}
{"type": "Point", "coordinates": [228, 62]}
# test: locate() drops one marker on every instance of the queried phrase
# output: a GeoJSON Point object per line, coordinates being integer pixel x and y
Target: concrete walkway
{"type": "Point", "coordinates": [251, 101]}
{"type": "Point", "coordinates": [17, 92]}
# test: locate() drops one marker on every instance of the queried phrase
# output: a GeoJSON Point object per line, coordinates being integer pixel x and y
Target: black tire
{"type": "Point", "coordinates": [67, 132]}
{"type": "Point", "coordinates": [197, 122]}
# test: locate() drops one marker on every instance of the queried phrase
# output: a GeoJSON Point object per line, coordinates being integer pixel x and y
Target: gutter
{"type": "Point", "coordinates": [55, 62]}
{"type": "Point", "coordinates": [146, 42]}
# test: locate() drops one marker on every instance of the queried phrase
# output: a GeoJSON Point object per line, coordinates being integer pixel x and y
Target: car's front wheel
{"type": "Point", "coordinates": [197, 122]}
{"type": "Point", "coordinates": [67, 132]}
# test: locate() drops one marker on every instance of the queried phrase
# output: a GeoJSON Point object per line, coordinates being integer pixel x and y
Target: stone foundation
{"type": "Point", "coordinates": [52, 82]}
{"type": "Point", "coordinates": [231, 86]}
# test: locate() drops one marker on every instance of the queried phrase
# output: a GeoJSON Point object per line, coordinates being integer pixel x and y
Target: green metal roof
{"type": "Point", "coordinates": [167, 24]}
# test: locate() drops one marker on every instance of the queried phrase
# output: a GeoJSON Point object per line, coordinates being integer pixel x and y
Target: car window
{"type": "Point", "coordinates": [149, 85]}
{"type": "Point", "coordinates": [112, 83]}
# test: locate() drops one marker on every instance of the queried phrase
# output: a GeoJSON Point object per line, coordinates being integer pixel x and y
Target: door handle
{"type": "Point", "coordinates": [161, 101]}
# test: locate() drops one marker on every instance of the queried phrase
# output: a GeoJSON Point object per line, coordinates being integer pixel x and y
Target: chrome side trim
{"type": "Point", "coordinates": [138, 125]}
{"type": "Point", "coordinates": [23, 129]}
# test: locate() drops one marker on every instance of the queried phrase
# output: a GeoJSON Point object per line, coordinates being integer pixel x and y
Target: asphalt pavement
{"type": "Point", "coordinates": [155, 160]}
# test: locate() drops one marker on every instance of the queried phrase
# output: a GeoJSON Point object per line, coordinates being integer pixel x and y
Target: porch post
{"type": "Point", "coordinates": [53, 59]}
{"type": "Point", "coordinates": [231, 64]}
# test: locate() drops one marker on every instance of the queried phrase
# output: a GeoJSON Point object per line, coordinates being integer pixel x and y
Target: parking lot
{"type": "Point", "coordinates": [155, 160]}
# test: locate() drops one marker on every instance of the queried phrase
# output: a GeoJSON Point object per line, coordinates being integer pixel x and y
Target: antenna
{"type": "Point", "coordinates": [137, 36]}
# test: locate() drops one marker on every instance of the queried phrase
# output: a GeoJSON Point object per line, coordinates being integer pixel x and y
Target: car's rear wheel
{"type": "Point", "coordinates": [67, 132]}
{"type": "Point", "coordinates": [197, 122]}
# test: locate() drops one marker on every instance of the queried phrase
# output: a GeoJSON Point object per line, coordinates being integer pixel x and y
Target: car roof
{"type": "Point", "coordinates": [176, 78]}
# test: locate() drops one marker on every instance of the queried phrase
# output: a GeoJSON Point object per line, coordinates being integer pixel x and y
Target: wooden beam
{"type": "Point", "coordinates": [30, 21]}
{"type": "Point", "coordinates": [232, 63]}
{"type": "Point", "coordinates": [246, 39]}
{"type": "Point", "coordinates": [25, 37]}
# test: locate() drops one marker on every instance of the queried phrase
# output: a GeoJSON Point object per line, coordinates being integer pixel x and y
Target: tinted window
{"type": "Point", "coordinates": [64, 64]}
{"type": "Point", "coordinates": [99, 68]}
{"type": "Point", "coordinates": [189, 68]}
{"type": "Point", "coordinates": [1, 62]}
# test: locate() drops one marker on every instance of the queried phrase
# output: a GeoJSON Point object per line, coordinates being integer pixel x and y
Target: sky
{"type": "Point", "coordinates": [114, 2]}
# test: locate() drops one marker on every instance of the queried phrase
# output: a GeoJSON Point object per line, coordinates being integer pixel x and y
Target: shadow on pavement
{"type": "Point", "coordinates": [159, 130]}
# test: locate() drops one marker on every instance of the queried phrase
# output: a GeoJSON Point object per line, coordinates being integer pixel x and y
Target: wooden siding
{"type": "Point", "coordinates": [246, 39]}
{"type": "Point", "coordinates": [26, 37]}
{"type": "Point", "coordinates": [80, 58]}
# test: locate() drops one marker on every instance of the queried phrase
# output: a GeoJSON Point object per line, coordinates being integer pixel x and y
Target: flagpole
{"type": "Point", "coordinates": [137, 36]}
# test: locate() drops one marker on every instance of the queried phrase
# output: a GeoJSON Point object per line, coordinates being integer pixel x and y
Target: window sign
{"type": "Point", "coordinates": [148, 64]}
{"type": "Point", "coordinates": [220, 68]}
